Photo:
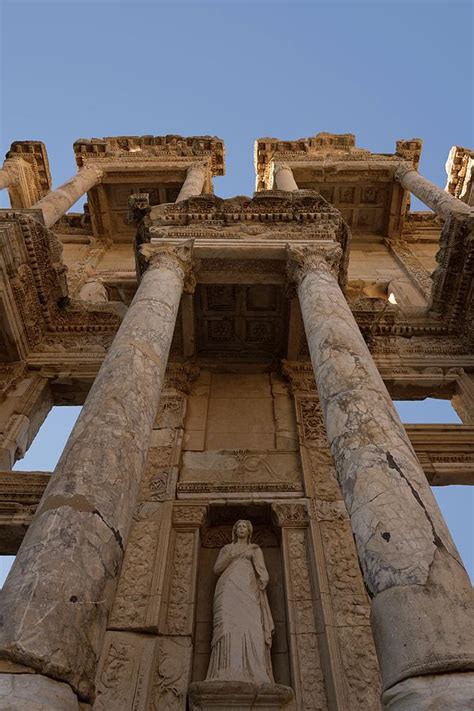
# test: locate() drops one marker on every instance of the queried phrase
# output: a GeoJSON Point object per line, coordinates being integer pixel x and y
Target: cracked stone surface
{"type": "Point", "coordinates": [57, 597]}
{"type": "Point", "coordinates": [408, 558]}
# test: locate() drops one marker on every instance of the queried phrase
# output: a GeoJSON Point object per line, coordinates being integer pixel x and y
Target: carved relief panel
{"type": "Point", "coordinates": [301, 594]}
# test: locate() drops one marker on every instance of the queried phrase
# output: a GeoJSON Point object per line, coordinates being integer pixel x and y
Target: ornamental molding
{"type": "Point", "coordinates": [30, 162]}
{"type": "Point", "coordinates": [329, 151]}
{"type": "Point", "coordinates": [275, 206]}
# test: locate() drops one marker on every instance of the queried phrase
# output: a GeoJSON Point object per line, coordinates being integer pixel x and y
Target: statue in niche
{"type": "Point", "coordinates": [243, 624]}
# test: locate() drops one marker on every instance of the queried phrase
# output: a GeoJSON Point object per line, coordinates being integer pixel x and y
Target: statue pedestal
{"type": "Point", "coordinates": [241, 695]}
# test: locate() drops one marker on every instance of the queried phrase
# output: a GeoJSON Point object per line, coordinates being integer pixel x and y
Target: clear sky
{"type": "Point", "coordinates": [240, 70]}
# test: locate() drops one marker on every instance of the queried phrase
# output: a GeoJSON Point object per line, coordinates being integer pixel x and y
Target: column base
{"type": "Point", "coordinates": [35, 692]}
{"type": "Point", "coordinates": [241, 695]}
{"type": "Point", "coordinates": [446, 692]}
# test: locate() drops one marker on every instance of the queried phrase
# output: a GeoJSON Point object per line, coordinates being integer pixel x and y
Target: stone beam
{"type": "Point", "coordinates": [20, 494]}
{"type": "Point", "coordinates": [446, 452]}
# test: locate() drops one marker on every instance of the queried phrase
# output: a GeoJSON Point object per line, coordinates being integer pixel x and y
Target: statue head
{"type": "Point", "coordinates": [242, 529]}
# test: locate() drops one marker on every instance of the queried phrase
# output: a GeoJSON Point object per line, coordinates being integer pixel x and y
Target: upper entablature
{"type": "Point", "coordinates": [156, 165]}
{"type": "Point", "coordinates": [29, 166]}
{"type": "Point", "coordinates": [325, 150]}
{"type": "Point", "coordinates": [460, 171]}
{"type": "Point", "coordinates": [361, 184]}
{"type": "Point", "coordinates": [116, 151]}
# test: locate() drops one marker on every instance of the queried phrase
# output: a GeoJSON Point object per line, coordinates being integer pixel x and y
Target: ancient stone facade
{"type": "Point", "coordinates": [236, 359]}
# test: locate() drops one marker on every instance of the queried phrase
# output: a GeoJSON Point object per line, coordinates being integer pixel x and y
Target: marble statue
{"type": "Point", "coordinates": [243, 624]}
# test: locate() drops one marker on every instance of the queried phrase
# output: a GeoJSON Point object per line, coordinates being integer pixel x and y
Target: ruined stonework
{"type": "Point", "coordinates": [236, 360]}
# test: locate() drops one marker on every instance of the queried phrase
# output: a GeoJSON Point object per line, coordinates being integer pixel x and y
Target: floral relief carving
{"type": "Point", "coordinates": [180, 590]}
{"type": "Point", "coordinates": [171, 674]}
{"type": "Point", "coordinates": [116, 677]}
{"type": "Point", "coordinates": [300, 591]}
{"type": "Point", "coordinates": [311, 421]}
{"type": "Point", "coordinates": [189, 515]}
{"type": "Point", "coordinates": [171, 411]}
{"type": "Point", "coordinates": [133, 591]}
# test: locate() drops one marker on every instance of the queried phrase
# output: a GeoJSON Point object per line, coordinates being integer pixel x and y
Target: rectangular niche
{"type": "Point", "coordinates": [216, 534]}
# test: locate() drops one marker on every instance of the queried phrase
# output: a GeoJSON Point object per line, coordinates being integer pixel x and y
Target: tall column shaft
{"type": "Point", "coordinates": [284, 178]}
{"type": "Point", "coordinates": [434, 197]}
{"type": "Point", "coordinates": [56, 600]}
{"type": "Point", "coordinates": [56, 203]}
{"type": "Point", "coordinates": [421, 595]}
{"type": "Point", "coordinates": [194, 183]}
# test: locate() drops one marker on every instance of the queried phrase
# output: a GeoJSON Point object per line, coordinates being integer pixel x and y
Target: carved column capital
{"type": "Point", "coordinates": [307, 258]}
{"type": "Point", "coordinates": [175, 257]}
{"type": "Point", "coordinates": [189, 515]}
{"type": "Point", "coordinates": [180, 376]}
{"type": "Point", "coordinates": [403, 169]}
{"type": "Point", "coordinates": [291, 514]}
{"type": "Point", "coordinates": [198, 167]}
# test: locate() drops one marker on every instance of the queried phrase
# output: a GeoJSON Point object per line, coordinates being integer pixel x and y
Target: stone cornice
{"type": "Point", "coordinates": [460, 170]}
{"type": "Point", "coordinates": [35, 293]}
{"type": "Point", "coordinates": [35, 176]}
{"type": "Point", "coordinates": [326, 149]}
{"type": "Point", "coordinates": [273, 206]}
{"type": "Point", "coordinates": [135, 149]}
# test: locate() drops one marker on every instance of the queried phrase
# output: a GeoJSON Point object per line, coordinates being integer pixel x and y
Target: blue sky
{"type": "Point", "coordinates": [241, 70]}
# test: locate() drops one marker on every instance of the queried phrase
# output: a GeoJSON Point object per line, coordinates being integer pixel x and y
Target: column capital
{"type": "Point", "coordinates": [403, 168]}
{"type": "Point", "coordinates": [281, 166]}
{"type": "Point", "coordinates": [175, 257]}
{"type": "Point", "coordinates": [197, 166]}
{"type": "Point", "coordinates": [290, 514]}
{"type": "Point", "coordinates": [301, 259]}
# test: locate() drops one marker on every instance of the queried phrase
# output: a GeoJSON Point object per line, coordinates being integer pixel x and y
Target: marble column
{"type": "Point", "coordinates": [441, 202]}
{"type": "Point", "coordinates": [194, 183]}
{"type": "Point", "coordinates": [284, 178]}
{"type": "Point", "coordinates": [56, 203]}
{"type": "Point", "coordinates": [56, 600]}
{"type": "Point", "coordinates": [421, 595]}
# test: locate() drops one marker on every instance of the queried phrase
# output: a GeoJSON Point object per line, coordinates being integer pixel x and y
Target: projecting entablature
{"type": "Point", "coordinates": [161, 166]}
{"type": "Point", "coordinates": [359, 183]}
{"type": "Point", "coordinates": [240, 308]}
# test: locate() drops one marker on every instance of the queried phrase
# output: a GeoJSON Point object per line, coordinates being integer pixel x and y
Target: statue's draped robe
{"type": "Point", "coordinates": [243, 623]}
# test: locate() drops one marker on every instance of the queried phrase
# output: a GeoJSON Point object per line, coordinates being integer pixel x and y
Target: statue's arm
{"type": "Point", "coordinates": [223, 560]}
{"type": "Point", "coordinates": [260, 568]}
